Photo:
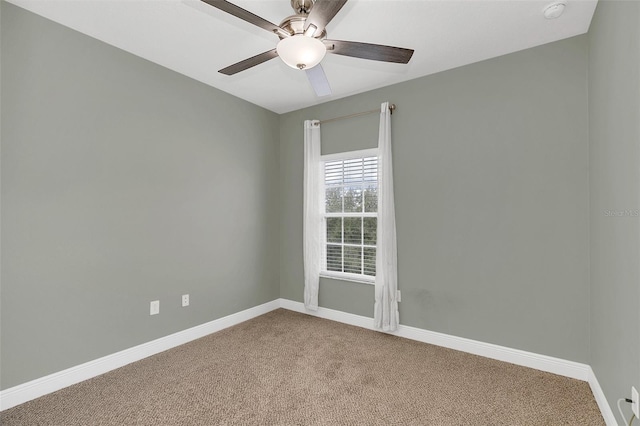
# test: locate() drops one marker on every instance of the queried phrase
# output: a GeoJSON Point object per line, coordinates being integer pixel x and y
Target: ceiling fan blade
{"type": "Point", "coordinates": [248, 63]}
{"type": "Point", "coordinates": [322, 13]}
{"type": "Point", "coordinates": [375, 52]}
{"type": "Point", "coordinates": [318, 80]}
{"type": "Point", "coordinates": [247, 16]}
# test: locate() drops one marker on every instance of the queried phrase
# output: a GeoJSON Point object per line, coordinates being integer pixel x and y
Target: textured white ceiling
{"type": "Point", "coordinates": [196, 40]}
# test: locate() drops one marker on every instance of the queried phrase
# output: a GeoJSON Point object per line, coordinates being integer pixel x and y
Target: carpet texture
{"type": "Point", "coordinates": [286, 368]}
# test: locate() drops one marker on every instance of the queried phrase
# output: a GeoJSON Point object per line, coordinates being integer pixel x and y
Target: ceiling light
{"type": "Point", "coordinates": [554, 10]}
{"type": "Point", "coordinates": [301, 52]}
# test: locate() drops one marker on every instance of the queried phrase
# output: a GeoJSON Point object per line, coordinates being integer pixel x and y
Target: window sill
{"type": "Point", "coordinates": [348, 277]}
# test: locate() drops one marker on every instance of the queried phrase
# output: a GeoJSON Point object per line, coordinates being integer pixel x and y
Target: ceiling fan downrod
{"type": "Point", "coordinates": [302, 7]}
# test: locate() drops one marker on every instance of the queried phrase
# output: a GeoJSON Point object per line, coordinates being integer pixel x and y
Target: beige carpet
{"type": "Point", "coordinates": [285, 368]}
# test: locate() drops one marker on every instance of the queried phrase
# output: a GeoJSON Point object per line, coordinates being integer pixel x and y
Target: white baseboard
{"type": "Point", "coordinates": [559, 366]}
{"type": "Point", "coordinates": [56, 381]}
{"type": "Point", "coordinates": [601, 400]}
{"type": "Point", "coordinates": [331, 314]}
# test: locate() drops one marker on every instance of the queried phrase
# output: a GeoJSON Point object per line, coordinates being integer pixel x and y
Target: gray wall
{"type": "Point", "coordinates": [123, 182]}
{"type": "Point", "coordinates": [614, 124]}
{"type": "Point", "coordinates": [491, 180]}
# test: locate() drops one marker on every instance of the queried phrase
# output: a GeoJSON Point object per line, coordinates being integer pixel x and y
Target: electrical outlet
{"type": "Point", "coordinates": [635, 405]}
{"type": "Point", "coordinates": [154, 308]}
{"type": "Point", "coordinates": [185, 300]}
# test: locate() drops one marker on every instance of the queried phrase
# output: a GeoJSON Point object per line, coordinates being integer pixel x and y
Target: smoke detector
{"type": "Point", "coordinates": [554, 10]}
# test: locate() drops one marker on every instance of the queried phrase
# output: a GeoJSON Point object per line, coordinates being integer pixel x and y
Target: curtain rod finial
{"type": "Point", "coordinates": [392, 108]}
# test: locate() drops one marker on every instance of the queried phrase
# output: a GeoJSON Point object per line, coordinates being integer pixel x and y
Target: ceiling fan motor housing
{"type": "Point", "coordinates": [294, 25]}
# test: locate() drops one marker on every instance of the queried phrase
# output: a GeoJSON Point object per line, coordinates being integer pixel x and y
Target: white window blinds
{"type": "Point", "coordinates": [350, 218]}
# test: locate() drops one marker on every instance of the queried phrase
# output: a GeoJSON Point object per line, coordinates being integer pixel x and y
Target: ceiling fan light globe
{"type": "Point", "coordinates": [301, 52]}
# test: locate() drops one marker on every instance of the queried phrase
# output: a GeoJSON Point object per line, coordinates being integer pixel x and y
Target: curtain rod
{"type": "Point", "coordinates": [392, 107]}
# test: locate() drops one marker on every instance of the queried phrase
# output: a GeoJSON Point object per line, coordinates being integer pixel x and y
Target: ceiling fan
{"type": "Point", "coordinates": [303, 40]}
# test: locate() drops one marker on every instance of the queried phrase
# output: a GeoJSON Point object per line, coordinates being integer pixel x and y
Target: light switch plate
{"type": "Point", "coordinates": [635, 405]}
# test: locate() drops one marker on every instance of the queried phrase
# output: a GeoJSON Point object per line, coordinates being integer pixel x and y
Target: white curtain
{"type": "Point", "coordinates": [312, 246]}
{"type": "Point", "coordinates": [386, 316]}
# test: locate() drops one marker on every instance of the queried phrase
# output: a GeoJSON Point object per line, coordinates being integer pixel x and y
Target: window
{"type": "Point", "coordinates": [350, 215]}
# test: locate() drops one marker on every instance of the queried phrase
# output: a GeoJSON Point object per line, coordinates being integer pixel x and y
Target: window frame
{"type": "Point", "coordinates": [343, 156]}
